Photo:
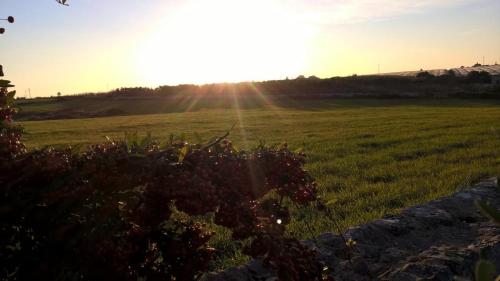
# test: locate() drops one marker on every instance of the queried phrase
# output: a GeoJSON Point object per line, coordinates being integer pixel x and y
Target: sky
{"type": "Point", "coordinates": [94, 46]}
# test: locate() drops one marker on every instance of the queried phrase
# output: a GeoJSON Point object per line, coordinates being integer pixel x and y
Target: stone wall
{"type": "Point", "coordinates": [435, 241]}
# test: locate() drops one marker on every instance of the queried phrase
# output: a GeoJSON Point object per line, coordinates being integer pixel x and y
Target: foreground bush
{"type": "Point", "coordinates": [111, 212]}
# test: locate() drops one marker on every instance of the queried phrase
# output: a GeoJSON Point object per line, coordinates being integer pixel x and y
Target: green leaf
{"type": "Point", "coordinates": [76, 149]}
{"type": "Point", "coordinates": [146, 141]}
{"type": "Point", "coordinates": [489, 211]}
{"type": "Point", "coordinates": [236, 148]}
{"type": "Point", "coordinates": [485, 271]}
{"type": "Point", "coordinates": [134, 138]}
{"type": "Point", "coordinates": [5, 84]}
{"type": "Point", "coordinates": [10, 97]}
{"type": "Point", "coordinates": [183, 153]}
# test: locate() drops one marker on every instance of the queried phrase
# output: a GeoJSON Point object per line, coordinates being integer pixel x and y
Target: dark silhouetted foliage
{"type": "Point", "coordinates": [425, 75]}
{"type": "Point", "coordinates": [10, 135]}
{"type": "Point", "coordinates": [107, 213]}
{"type": "Point", "coordinates": [9, 19]}
{"type": "Point", "coordinates": [451, 73]}
{"type": "Point", "coordinates": [479, 77]}
{"type": "Point", "coordinates": [304, 87]}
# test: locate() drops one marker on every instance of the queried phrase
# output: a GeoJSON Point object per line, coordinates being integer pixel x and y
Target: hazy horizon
{"type": "Point", "coordinates": [97, 46]}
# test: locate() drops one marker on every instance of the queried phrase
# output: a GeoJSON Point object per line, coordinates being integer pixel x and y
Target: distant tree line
{"type": "Point", "coordinates": [303, 86]}
{"type": "Point", "coordinates": [472, 77]}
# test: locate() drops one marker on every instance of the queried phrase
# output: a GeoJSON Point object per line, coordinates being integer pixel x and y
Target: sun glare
{"type": "Point", "coordinates": [224, 41]}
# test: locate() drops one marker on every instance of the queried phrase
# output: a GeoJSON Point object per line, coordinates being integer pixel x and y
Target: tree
{"type": "Point", "coordinates": [9, 19]}
{"type": "Point", "coordinates": [479, 77]}
{"type": "Point", "coordinates": [425, 75]}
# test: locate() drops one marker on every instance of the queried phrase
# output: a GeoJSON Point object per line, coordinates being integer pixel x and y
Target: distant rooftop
{"type": "Point", "coordinates": [491, 69]}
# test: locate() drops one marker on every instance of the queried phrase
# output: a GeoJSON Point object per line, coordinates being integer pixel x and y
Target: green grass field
{"type": "Point", "coordinates": [372, 157]}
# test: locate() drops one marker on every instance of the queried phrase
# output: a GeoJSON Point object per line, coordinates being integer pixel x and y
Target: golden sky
{"type": "Point", "coordinates": [94, 46]}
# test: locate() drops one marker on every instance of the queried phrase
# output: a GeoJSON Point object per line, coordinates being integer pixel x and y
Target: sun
{"type": "Point", "coordinates": [224, 41]}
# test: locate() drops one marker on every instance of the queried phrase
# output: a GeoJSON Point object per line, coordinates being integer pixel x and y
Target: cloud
{"type": "Point", "coordinates": [354, 11]}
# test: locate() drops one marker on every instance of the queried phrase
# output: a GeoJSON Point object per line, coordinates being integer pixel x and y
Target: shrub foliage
{"type": "Point", "coordinates": [110, 212]}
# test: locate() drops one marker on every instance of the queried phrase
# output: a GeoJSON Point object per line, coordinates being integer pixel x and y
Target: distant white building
{"type": "Point", "coordinates": [495, 80]}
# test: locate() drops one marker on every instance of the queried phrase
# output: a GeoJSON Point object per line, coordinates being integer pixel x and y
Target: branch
{"type": "Point", "coordinates": [213, 143]}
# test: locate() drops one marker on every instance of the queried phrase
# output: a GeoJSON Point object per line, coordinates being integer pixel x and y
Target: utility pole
{"type": "Point", "coordinates": [379, 68]}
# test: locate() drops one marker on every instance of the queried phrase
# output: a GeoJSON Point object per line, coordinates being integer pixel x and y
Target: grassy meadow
{"type": "Point", "coordinates": [370, 157]}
